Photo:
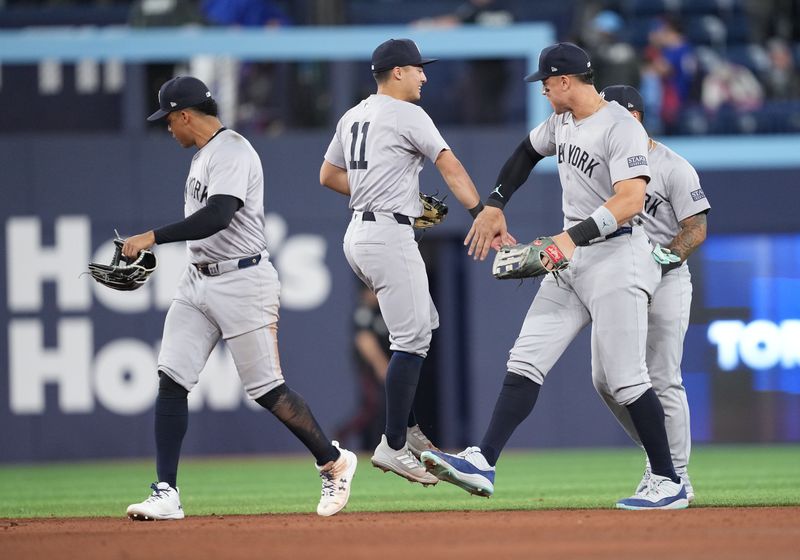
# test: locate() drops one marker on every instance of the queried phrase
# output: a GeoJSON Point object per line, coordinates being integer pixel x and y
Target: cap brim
{"type": "Point", "coordinates": [160, 114]}
{"type": "Point", "coordinates": [428, 61]}
{"type": "Point", "coordinates": [536, 76]}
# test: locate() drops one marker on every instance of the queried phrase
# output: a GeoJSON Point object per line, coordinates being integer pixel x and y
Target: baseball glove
{"type": "Point", "coordinates": [434, 212]}
{"type": "Point", "coordinates": [124, 274]}
{"type": "Point", "coordinates": [529, 260]}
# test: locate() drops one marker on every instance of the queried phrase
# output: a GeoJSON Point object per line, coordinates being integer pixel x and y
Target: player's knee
{"type": "Point", "coordinates": [168, 388]}
{"type": "Point", "coordinates": [271, 398]}
{"type": "Point", "coordinates": [525, 369]}
{"type": "Point", "coordinates": [418, 343]}
{"type": "Point", "coordinates": [625, 395]}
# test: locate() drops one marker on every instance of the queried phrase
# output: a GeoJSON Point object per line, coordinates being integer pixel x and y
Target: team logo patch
{"type": "Point", "coordinates": [635, 161]}
{"type": "Point", "coordinates": [698, 195]}
{"type": "Point", "coordinates": [537, 241]}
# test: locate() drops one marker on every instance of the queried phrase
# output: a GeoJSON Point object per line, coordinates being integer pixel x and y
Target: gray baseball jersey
{"type": "Point", "coordinates": [239, 305]}
{"type": "Point", "coordinates": [383, 143]}
{"type": "Point", "coordinates": [593, 155]}
{"type": "Point", "coordinates": [229, 165]}
{"type": "Point", "coordinates": [607, 283]}
{"type": "Point", "coordinates": [673, 194]}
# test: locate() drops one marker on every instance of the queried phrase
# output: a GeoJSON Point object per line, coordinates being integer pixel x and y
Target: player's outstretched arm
{"type": "Point", "coordinates": [335, 178]}
{"type": "Point", "coordinates": [457, 179]}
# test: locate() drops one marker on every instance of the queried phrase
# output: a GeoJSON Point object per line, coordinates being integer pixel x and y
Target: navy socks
{"type": "Point", "coordinates": [172, 419]}
{"type": "Point", "coordinates": [648, 418]}
{"type": "Point", "coordinates": [401, 387]}
{"type": "Point", "coordinates": [513, 405]}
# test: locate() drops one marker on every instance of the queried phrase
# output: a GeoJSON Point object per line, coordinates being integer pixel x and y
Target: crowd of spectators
{"type": "Point", "coordinates": [703, 66]}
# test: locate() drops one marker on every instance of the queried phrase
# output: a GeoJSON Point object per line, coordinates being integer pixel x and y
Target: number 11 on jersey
{"type": "Point", "coordinates": [360, 163]}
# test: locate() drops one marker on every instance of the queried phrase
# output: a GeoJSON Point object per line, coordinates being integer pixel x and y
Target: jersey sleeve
{"type": "Point", "coordinates": [627, 151]}
{"type": "Point", "coordinates": [335, 152]}
{"type": "Point", "coordinates": [229, 171]}
{"type": "Point", "coordinates": [543, 137]}
{"type": "Point", "coordinates": [685, 193]}
{"type": "Point", "coordinates": [417, 128]}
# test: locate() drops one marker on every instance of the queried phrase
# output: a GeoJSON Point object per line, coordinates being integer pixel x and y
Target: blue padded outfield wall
{"type": "Point", "coordinates": [77, 362]}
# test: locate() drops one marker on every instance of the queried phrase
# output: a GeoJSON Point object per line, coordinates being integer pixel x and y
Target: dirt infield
{"type": "Point", "coordinates": [729, 533]}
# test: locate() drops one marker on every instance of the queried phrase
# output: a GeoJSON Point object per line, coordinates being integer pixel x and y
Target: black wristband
{"type": "Point", "coordinates": [476, 210]}
{"type": "Point", "coordinates": [495, 203]}
{"type": "Point", "coordinates": [671, 266]}
{"type": "Point", "coordinates": [583, 232]}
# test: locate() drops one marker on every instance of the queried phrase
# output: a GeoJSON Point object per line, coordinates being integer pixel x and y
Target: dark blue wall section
{"type": "Point", "coordinates": [76, 364]}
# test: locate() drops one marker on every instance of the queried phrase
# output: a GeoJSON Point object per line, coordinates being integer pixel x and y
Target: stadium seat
{"type": "Point", "coordinates": [639, 8]}
{"type": "Point", "coordinates": [752, 56]}
{"type": "Point", "coordinates": [706, 30]}
{"type": "Point", "coordinates": [738, 26]}
{"type": "Point", "coordinates": [700, 7]}
{"type": "Point", "coordinates": [637, 31]}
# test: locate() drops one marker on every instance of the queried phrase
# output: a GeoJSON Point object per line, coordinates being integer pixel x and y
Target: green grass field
{"type": "Point", "coordinates": [721, 475]}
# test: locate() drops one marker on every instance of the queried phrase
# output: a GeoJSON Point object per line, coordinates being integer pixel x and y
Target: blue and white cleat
{"type": "Point", "coordinates": [659, 493]}
{"type": "Point", "coordinates": [468, 470]}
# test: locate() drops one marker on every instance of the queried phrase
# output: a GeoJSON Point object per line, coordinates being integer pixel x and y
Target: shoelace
{"type": "Point", "coordinates": [652, 487]}
{"type": "Point", "coordinates": [158, 494]}
{"type": "Point", "coordinates": [328, 483]}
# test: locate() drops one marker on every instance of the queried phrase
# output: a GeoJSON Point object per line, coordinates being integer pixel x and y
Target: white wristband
{"type": "Point", "coordinates": [605, 220]}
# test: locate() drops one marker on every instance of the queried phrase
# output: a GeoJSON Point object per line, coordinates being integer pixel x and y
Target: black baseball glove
{"type": "Point", "coordinates": [434, 212]}
{"type": "Point", "coordinates": [124, 274]}
{"type": "Point", "coordinates": [529, 260]}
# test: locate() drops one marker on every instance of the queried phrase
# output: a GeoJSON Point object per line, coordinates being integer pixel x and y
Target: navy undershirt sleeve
{"type": "Point", "coordinates": [514, 173]}
{"type": "Point", "coordinates": [215, 216]}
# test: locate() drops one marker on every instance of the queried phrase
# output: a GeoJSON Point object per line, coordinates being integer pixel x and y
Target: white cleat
{"type": "Point", "coordinates": [418, 442]}
{"type": "Point", "coordinates": [681, 472]}
{"type": "Point", "coordinates": [402, 463]}
{"type": "Point", "coordinates": [337, 476]}
{"type": "Point", "coordinates": [659, 493]}
{"type": "Point", "coordinates": [163, 504]}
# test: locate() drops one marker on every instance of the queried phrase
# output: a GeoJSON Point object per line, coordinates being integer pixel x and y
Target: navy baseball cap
{"type": "Point", "coordinates": [179, 93]}
{"type": "Point", "coordinates": [397, 52]}
{"type": "Point", "coordinates": [627, 96]}
{"type": "Point", "coordinates": [561, 59]}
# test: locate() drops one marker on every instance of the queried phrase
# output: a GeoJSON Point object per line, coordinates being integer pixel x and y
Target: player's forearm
{"type": "Point", "coordinates": [626, 203]}
{"type": "Point", "coordinates": [458, 180]}
{"type": "Point", "coordinates": [690, 237]}
{"type": "Point", "coordinates": [628, 200]}
{"type": "Point", "coordinates": [335, 178]}
{"type": "Point", "coordinates": [212, 218]}
{"type": "Point", "coordinates": [514, 173]}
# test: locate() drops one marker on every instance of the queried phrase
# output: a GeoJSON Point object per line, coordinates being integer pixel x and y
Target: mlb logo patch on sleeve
{"type": "Point", "coordinates": [698, 195]}
{"type": "Point", "coordinates": [635, 161]}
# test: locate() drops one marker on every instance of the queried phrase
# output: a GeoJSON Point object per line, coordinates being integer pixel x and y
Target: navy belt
{"type": "Point", "coordinates": [401, 219]}
{"type": "Point", "coordinates": [215, 269]}
{"type": "Point", "coordinates": [624, 230]}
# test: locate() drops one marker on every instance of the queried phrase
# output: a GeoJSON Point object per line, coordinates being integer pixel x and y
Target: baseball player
{"type": "Point", "coordinates": [675, 210]}
{"type": "Point", "coordinates": [603, 169]}
{"type": "Point", "coordinates": [375, 158]}
{"type": "Point", "coordinates": [230, 290]}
